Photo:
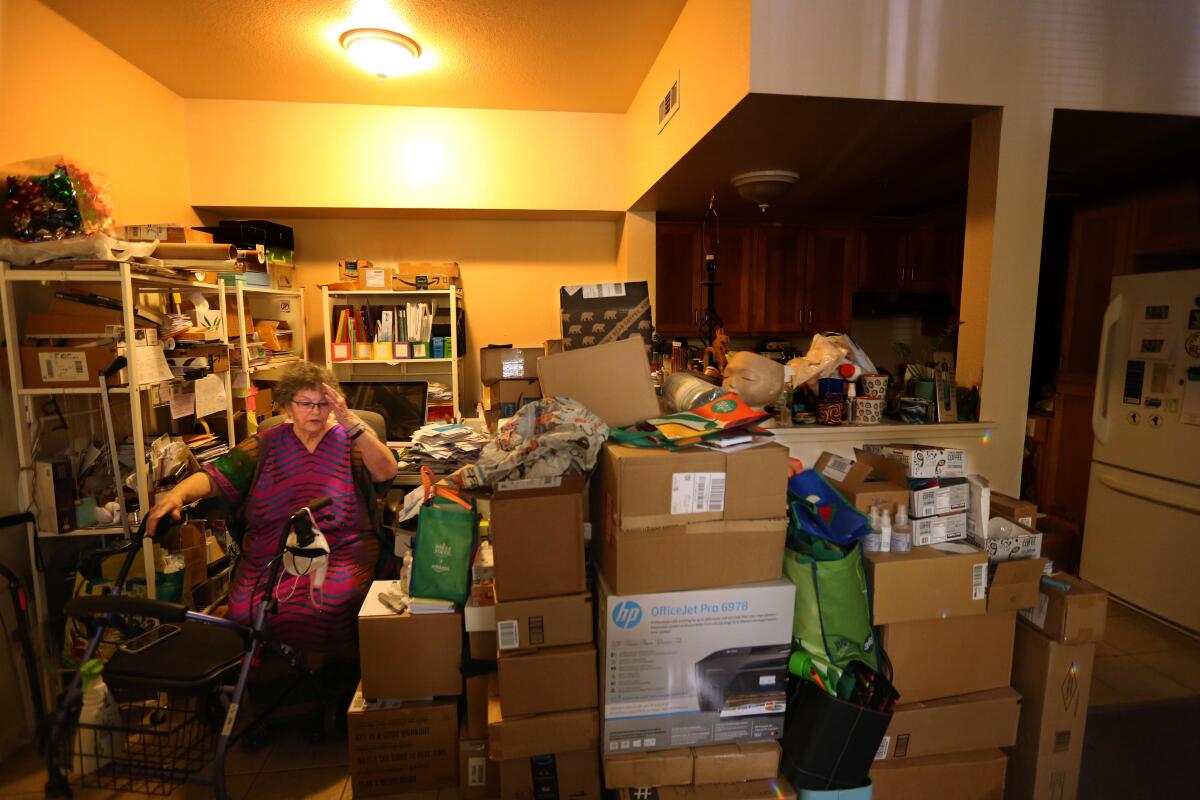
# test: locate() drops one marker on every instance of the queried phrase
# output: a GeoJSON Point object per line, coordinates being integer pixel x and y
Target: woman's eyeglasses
{"type": "Point", "coordinates": [308, 405]}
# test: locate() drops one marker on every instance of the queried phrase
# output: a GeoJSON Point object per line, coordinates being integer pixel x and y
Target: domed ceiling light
{"type": "Point", "coordinates": [764, 186]}
{"type": "Point", "coordinates": [381, 52]}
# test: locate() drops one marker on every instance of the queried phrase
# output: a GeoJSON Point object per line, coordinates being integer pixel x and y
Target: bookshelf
{"type": "Point", "coordinates": [286, 305]}
{"type": "Point", "coordinates": [30, 416]}
{"type": "Point", "coordinates": [445, 304]}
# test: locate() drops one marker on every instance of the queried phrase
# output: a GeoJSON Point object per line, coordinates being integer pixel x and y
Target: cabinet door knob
{"type": "Point", "coordinates": [900, 276]}
{"type": "Point", "coordinates": [810, 316]}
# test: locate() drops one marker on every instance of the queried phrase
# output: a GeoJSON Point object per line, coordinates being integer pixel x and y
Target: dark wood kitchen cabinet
{"type": "Point", "coordinates": [779, 280]}
{"type": "Point", "coordinates": [831, 266]}
{"type": "Point", "coordinates": [921, 259]}
{"type": "Point", "coordinates": [882, 260]}
{"type": "Point", "coordinates": [680, 299]}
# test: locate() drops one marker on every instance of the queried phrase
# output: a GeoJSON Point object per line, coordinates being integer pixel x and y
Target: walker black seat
{"type": "Point", "coordinates": [191, 659]}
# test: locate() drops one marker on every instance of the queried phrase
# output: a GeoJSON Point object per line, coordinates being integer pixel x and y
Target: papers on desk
{"type": "Point", "coordinates": [442, 448]}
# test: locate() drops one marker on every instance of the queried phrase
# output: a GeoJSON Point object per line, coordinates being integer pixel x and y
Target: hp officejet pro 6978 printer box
{"type": "Point", "coordinates": [706, 666]}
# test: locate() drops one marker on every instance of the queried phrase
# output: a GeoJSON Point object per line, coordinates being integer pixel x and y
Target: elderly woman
{"type": "Point", "coordinates": [323, 450]}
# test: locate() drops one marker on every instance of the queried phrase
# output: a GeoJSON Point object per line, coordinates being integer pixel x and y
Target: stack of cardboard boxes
{"type": "Point", "coordinates": [946, 618]}
{"type": "Point", "coordinates": [403, 722]}
{"type": "Point", "coordinates": [542, 719]}
{"type": "Point", "coordinates": [694, 620]}
{"type": "Point", "coordinates": [510, 380]}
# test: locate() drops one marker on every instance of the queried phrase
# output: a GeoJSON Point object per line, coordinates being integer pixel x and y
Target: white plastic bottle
{"type": "Point", "coordinates": [870, 542]}
{"type": "Point", "coordinates": [885, 532]}
{"type": "Point", "coordinates": [902, 531]}
{"type": "Point", "coordinates": [99, 736]}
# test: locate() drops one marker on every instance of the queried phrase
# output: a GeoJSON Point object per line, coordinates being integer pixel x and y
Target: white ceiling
{"type": "Point", "coordinates": [551, 55]}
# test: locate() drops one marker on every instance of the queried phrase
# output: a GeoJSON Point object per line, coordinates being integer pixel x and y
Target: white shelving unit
{"type": "Point", "coordinates": [445, 370]}
{"type": "Point", "coordinates": [133, 288]}
{"type": "Point", "coordinates": [282, 304]}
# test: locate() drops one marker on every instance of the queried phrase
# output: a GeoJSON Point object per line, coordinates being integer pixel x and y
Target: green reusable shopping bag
{"type": "Point", "coordinates": [833, 610]}
{"type": "Point", "coordinates": [443, 550]}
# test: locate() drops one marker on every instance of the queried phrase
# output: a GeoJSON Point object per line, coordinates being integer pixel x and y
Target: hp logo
{"type": "Point", "coordinates": [626, 614]}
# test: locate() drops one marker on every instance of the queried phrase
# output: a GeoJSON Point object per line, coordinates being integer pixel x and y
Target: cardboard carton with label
{"type": "Point", "coordinates": [537, 540]}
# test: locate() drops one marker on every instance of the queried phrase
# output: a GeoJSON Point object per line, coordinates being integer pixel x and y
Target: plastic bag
{"type": "Point", "coordinates": [823, 356]}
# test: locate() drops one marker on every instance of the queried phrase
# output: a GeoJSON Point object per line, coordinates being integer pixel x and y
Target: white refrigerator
{"type": "Point", "coordinates": [1141, 539]}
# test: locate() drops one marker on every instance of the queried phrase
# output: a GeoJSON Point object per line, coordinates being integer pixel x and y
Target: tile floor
{"type": "Point", "coordinates": [1139, 661]}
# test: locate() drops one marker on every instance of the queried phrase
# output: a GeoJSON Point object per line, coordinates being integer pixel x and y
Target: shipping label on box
{"type": "Point", "coordinates": [938, 530]}
{"type": "Point", "coordinates": [694, 668]}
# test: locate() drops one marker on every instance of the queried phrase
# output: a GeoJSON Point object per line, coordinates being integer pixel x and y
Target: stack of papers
{"type": "Point", "coordinates": [439, 394]}
{"type": "Point", "coordinates": [206, 447]}
{"type": "Point", "coordinates": [442, 448]}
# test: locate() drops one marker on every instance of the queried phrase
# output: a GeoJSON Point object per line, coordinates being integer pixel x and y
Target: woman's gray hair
{"type": "Point", "coordinates": [298, 377]}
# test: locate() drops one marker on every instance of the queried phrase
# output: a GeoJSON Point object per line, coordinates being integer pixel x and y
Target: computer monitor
{"type": "Point", "coordinates": [402, 404]}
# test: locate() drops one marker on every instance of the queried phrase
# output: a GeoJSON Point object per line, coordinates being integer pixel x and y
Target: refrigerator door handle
{"type": "Point", "coordinates": [1100, 397]}
{"type": "Point", "coordinates": [1148, 493]}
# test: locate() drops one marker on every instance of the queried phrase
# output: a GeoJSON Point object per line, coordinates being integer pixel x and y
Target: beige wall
{"type": "Point", "coordinates": [296, 155]}
{"type": "Point", "coordinates": [511, 270]}
{"type": "Point", "coordinates": [709, 51]}
{"type": "Point", "coordinates": [63, 93]}
{"type": "Point", "coordinates": [1028, 58]}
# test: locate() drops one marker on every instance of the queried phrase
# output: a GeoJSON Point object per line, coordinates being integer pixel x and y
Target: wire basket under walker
{"type": "Point", "coordinates": [163, 738]}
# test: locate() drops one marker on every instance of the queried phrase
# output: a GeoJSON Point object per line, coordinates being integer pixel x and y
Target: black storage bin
{"type": "Point", "coordinates": [829, 743]}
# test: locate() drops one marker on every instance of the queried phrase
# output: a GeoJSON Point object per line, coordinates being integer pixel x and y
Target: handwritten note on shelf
{"type": "Point", "coordinates": [210, 395]}
{"type": "Point", "coordinates": [183, 405]}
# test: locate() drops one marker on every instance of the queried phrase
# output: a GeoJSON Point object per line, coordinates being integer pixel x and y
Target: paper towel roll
{"type": "Point", "coordinates": [195, 252]}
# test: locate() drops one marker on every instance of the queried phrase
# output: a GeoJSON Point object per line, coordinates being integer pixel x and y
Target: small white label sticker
{"type": "Point", "coordinates": [63, 366]}
{"type": "Point", "coordinates": [837, 468]}
{"type": "Point", "coordinates": [697, 492]}
{"type": "Point", "coordinates": [376, 279]}
{"type": "Point", "coordinates": [766, 680]}
{"type": "Point", "coordinates": [979, 581]}
{"type": "Point", "coordinates": [941, 502]}
{"type": "Point", "coordinates": [508, 634]}
{"type": "Point", "coordinates": [1026, 521]}
{"type": "Point", "coordinates": [230, 718]}
{"type": "Point", "coordinates": [476, 771]}
{"type": "Point", "coordinates": [881, 753]}
{"type": "Point", "coordinates": [598, 290]}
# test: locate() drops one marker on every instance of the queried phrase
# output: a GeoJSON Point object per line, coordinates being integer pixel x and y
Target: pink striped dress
{"type": "Point", "coordinates": [266, 478]}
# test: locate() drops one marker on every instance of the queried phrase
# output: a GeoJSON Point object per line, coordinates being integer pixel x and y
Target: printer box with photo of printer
{"type": "Point", "coordinates": [691, 668]}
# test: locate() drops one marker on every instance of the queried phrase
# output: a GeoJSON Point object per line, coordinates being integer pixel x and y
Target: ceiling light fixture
{"type": "Point", "coordinates": [379, 51]}
{"type": "Point", "coordinates": [763, 186]}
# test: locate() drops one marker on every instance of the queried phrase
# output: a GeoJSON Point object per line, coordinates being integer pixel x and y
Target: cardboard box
{"type": "Point", "coordinates": [1070, 616]}
{"type": "Point", "coordinates": [481, 645]}
{"type": "Point", "coordinates": [1055, 682]}
{"type": "Point", "coordinates": [526, 625]}
{"type": "Point", "coordinates": [949, 496]}
{"type": "Point", "coordinates": [552, 346]}
{"type": "Point", "coordinates": [612, 381]}
{"type": "Point", "coordinates": [400, 746]}
{"type": "Point", "coordinates": [506, 396]}
{"type": "Point", "coordinates": [1013, 585]}
{"type": "Point", "coordinates": [778, 788]}
{"type": "Point", "coordinates": [551, 679]}
{"type": "Point", "coordinates": [605, 312]}
{"type": "Point", "coordinates": [694, 668]}
{"type": "Point", "coordinates": [1022, 512]}
{"type": "Point", "coordinates": [260, 402]}
{"type": "Point", "coordinates": [522, 737]}
{"type": "Point", "coordinates": [939, 530]}
{"type": "Point", "coordinates": [701, 554]}
{"type": "Point", "coordinates": [574, 775]}
{"type": "Point", "coordinates": [478, 688]}
{"type": "Point", "coordinates": [537, 541]}
{"type": "Point", "coordinates": [925, 461]}
{"type": "Point", "coordinates": [650, 488]}
{"type": "Point", "coordinates": [1007, 541]}
{"type": "Point", "coordinates": [81, 326]}
{"type": "Point", "coordinates": [444, 275]}
{"type": "Point", "coordinates": [166, 232]}
{"type": "Point", "coordinates": [945, 657]}
{"type": "Point", "coordinates": [282, 276]}
{"type": "Point", "coordinates": [376, 279]}
{"type": "Point", "coordinates": [976, 721]}
{"type": "Point", "coordinates": [661, 768]}
{"type": "Point", "coordinates": [868, 480]}
{"type": "Point", "coordinates": [478, 775]}
{"type": "Point", "coordinates": [926, 583]}
{"type": "Point", "coordinates": [389, 642]}
{"type": "Point", "coordinates": [734, 763]}
{"type": "Point", "coordinates": [507, 363]}
{"type": "Point", "coordinates": [65, 367]}
{"type": "Point", "coordinates": [54, 491]}
{"type": "Point", "coordinates": [977, 775]}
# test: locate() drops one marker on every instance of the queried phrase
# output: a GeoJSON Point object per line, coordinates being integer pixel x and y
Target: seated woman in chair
{"type": "Point", "coordinates": [324, 450]}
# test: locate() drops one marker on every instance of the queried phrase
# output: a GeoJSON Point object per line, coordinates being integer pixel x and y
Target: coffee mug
{"type": "Point", "coordinates": [868, 410]}
{"type": "Point", "coordinates": [874, 384]}
{"type": "Point", "coordinates": [830, 412]}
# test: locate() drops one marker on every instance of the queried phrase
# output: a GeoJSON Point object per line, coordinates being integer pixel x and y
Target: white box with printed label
{"type": "Point", "coordinates": [691, 668]}
{"type": "Point", "coordinates": [938, 530]}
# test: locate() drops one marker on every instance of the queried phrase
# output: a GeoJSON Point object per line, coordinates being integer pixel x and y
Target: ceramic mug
{"type": "Point", "coordinates": [874, 384]}
{"type": "Point", "coordinates": [868, 410]}
{"type": "Point", "coordinates": [830, 412]}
